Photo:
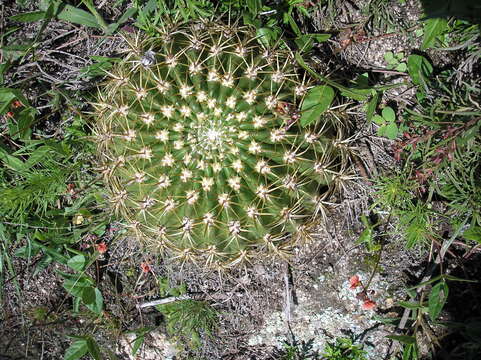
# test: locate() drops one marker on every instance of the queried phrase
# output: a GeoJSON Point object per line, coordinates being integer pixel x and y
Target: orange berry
{"type": "Point", "coordinates": [145, 267]}
{"type": "Point", "coordinates": [16, 104]}
{"type": "Point", "coordinates": [369, 305]}
{"type": "Point", "coordinates": [101, 247]}
{"type": "Point", "coordinates": [354, 281]}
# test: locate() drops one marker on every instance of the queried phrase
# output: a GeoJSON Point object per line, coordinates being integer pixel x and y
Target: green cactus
{"type": "Point", "coordinates": [201, 151]}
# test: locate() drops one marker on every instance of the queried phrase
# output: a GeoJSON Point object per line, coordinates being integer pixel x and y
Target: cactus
{"type": "Point", "coordinates": [201, 149]}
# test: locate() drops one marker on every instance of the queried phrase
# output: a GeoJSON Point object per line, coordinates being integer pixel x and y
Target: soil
{"type": "Point", "coordinates": [254, 320]}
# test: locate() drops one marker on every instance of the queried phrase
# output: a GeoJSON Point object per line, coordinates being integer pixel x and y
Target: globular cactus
{"type": "Point", "coordinates": [203, 156]}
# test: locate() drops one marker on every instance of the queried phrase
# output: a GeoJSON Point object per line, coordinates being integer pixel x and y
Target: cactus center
{"type": "Point", "coordinates": [212, 135]}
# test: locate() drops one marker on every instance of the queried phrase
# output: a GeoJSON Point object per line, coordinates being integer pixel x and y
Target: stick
{"type": "Point", "coordinates": [164, 301]}
{"type": "Point", "coordinates": [288, 298]}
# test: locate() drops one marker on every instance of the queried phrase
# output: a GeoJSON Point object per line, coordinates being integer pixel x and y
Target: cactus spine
{"type": "Point", "coordinates": [200, 155]}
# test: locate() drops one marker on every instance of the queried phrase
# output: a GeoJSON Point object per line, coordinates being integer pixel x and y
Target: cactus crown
{"type": "Point", "coordinates": [202, 156]}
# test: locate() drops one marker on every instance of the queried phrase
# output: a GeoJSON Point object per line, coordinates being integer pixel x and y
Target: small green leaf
{"type": "Point", "coordinates": [317, 101]}
{"type": "Point", "coordinates": [433, 28]}
{"type": "Point", "coordinates": [28, 251]}
{"type": "Point", "coordinates": [320, 37]}
{"type": "Point", "coordinates": [77, 262]}
{"type": "Point", "coordinates": [371, 107]}
{"type": "Point", "coordinates": [393, 61]}
{"type": "Point", "coordinates": [437, 299]}
{"type": "Point", "coordinates": [390, 131]}
{"type": "Point", "coordinates": [254, 6]}
{"type": "Point", "coordinates": [11, 161]}
{"type": "Point", "coordinates": [24, 120]}
{"type": "Point", "coordinates": [293, 24]}
{"type": "Point", "coordinates": [78, 16]}
{"type": "Point", "coordinates": [405, 339]}
{"type": "Point", "coordinates": [54, 253]}
{"type": "Point", "coordinates": [366, 236]}
{"type": "Point", "coordinates": [388, 114]}
{"type": "Point", "coordinates": [6, 97]}
{"type": "Point", "coordinates": [78, 349]}
{"type": "Point", "coordinates": [29, 16]}
{"type": "Point", "coordinates": [388, 56]}
{"type": "Point", "coordinates": [3, 68]}
{"type": "Point", "coordinates": [93, 348]}
{"type": "Point", "coordinates": [365, 221]}
{"type": "Point", "coordinates": [473, 233]}
{"type": "Point", "coordinates": [76, 286]}
{"type": "Point", "coordinates": [265, 36]}
{"type": "Point", "coordinates": [139, 340]}
{"type": "Point", "coordinates": [355, 94]}
{"type": "Point", "coordinates": [97, 305]}
{"type": "Point", "coordinates": [88, 295]}
{"type": "Point", "coordinates": [37, 156]}
{"type": "Point", "coordinates": [111, 28]}
{"type": "Point", "coordinates": [402, 67]}
{"type": "Point", "coordinates": [410, 352]}
{"type": "Point", "coordinates": [411, 305]}
{"type": "Point", "coordinates": [306, 41]}
{"type": "Point", "coordinates": [419, 69]}
{"type": "Point", "coordinates": [126, 16]}
{"type": "Point", "coordinates": [378, 119]}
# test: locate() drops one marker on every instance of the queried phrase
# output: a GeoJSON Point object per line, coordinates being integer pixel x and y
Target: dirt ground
{"type": "Point", "coordinates": [254, 319]}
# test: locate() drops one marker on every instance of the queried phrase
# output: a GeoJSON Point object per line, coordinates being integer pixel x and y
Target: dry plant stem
{"type": "Point", "coordinates": [427, 330]}
{"type": "Point", "coordinates": [390, 72]}
{"type": "Point", "coordinates": [36, 227]}
{"type": "Point", "coordinates": [1, 28]}
{"type": "Point", "coordinates": [362, 169]}
{"type": "Point", "coordinates": [164, 301]}
{"type": "Point", "coordinates": [474, 249]}
{"type": "Point", "coordinates": [288, 295]}
{"type": "Point", "coordinates": [439, 245]}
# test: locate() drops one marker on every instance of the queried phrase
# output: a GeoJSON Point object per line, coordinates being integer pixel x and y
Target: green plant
{"type": "Point", "coordinates": [186, 319]}
{"type": "Point", "coordinates": [395, 61]}
{"type": "Point", "coordinates": [83, 345]}
{"type": "Point", "coordinates": [387, 123]}
{"type": "Point", "coordinates": [343, 349]}
{"type": "Point", "coordinates": [202, 153]}
{"type": "Point", "coordinates": [437, 187]}
{"type": "Point", "coordinates": [295, 350]}
{"type": "Point", "coordinates": [154, 13]}
{"type": "Point", "coordinates": [45, 202]}
{"type": "Point", "coordinates": [427, 301]}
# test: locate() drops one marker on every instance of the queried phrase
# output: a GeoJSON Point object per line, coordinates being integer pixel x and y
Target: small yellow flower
{"type": "Point", "coordinates": [78, 219]}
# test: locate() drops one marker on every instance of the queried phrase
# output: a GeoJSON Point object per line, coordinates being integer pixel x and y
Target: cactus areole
{"type": "Point", "coordinates": [200, 148]}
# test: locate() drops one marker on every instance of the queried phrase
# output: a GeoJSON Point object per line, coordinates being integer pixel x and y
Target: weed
{"type": "Point", "coordinates": [45, 202]}
{"type": "Point", "coordinates": [344, 349]}
{"type": "Point", "coordinates": [440, 150]}
{"type": "Point", "coordinates": [188, 320]}
{"type": "Point", "coordinates": [395, 61]}
{"type": "Point", "coordinates": [387, 123]}
{"type": "Point", "coordinates": [295, 350]}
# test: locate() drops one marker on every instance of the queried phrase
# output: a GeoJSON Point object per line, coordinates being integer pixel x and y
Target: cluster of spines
{"type": "Point", "coordinates": [199, 158]}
